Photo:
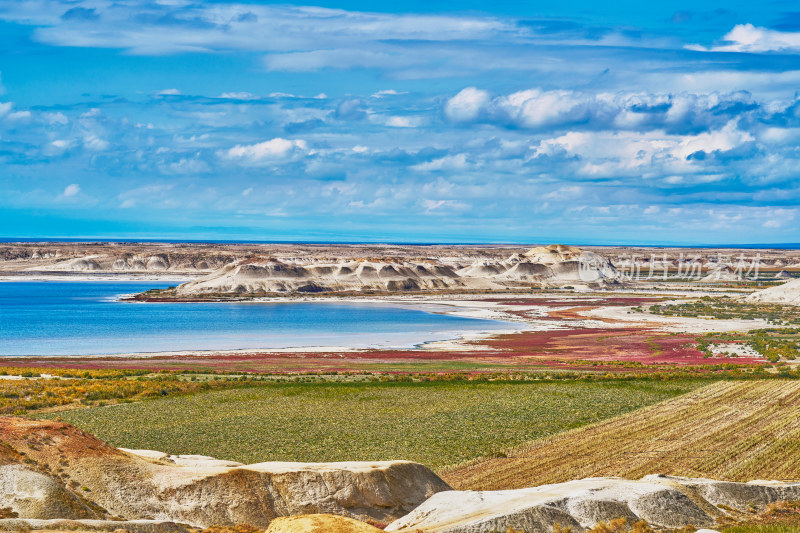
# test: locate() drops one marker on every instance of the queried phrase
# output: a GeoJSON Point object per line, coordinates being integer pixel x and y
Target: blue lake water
{"type": "Point", "coordinates": [85, 318]}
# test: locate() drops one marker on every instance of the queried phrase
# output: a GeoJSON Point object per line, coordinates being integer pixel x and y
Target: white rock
{"type": "Point", "coordinates": [662, 501]}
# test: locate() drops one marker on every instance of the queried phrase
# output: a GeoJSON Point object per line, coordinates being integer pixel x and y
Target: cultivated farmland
{"type": "Point", "coordinates": [728, 430]}
{"type": "Point", "coordinates": [436, 423]}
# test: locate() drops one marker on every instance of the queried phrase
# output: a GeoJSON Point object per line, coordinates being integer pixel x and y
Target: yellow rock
{"type": "Point", "coordinates": [320, 523]}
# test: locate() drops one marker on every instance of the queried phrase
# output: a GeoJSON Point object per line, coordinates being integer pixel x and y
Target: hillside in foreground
{"type": "Point", "coordinates": [728, 430]}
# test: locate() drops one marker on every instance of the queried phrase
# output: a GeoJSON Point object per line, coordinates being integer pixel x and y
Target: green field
{"type": "Point", "coordinates": [436, 423]}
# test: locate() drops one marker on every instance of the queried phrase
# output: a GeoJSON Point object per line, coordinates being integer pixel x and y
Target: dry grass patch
{"type": "Point", "coordinates": [735, 430]}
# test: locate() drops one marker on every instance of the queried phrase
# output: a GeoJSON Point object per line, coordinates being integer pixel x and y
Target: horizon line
{"type": "Point", "coordinates": [109, 240]}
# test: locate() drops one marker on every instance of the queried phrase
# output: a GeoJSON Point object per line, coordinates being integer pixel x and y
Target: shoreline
{"type": "Point", "coordinates": [523, 312]}
{"type": "Point", "coordinates": [459, 339]}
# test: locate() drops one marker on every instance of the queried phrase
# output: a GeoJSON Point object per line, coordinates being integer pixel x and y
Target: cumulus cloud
{"type": "Point", "coordinates": [754, 39]}
{"type": "Point", "coordinates": [71, 190]}
{"type": "Point", "coordinates": [577, 151]}
{"type": "Point", "coordinates": [268, 152]}
{"type": "Point", "coordinates": [468, 105]}
{"type": "Point", "coordinates": [722, 140]}
{"type": "Point", "coordinates": [674, 159]}
{"type": "Point", "coordinates": [538, 109]}
{"type": "Point", "coordinates": [350, 109]}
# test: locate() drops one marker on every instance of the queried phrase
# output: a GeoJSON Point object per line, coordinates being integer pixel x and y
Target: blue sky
{"type": "Point", "coordinates": [435, 121]}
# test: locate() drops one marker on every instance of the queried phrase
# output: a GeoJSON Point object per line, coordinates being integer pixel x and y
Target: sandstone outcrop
{"type": "Point", "coordinates": [26, 493]}
{"type": "Point", "coordinates": [662, 501]}
{"type": "Point", "coordinates": [197, 490]}
{"type": "Point", "coordinates": [787, 293]}
{"type": "Point", "coordinates": [55, 477]}
{"type": "Point", "coordinates": [554, 265]}
{"type": "Point", "coordinates": [722, 273]}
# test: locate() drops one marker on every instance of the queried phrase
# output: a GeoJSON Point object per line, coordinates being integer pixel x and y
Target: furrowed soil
{"type": "Point", "coordinates": [734, 430]}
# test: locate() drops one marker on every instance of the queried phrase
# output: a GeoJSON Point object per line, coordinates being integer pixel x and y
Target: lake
{"type": "Point", "coordinates": [86, 318]}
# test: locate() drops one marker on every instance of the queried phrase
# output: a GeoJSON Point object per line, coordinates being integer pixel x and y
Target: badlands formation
{"type": "Point", "coordinates": [56, 477]}
{"type": "Point", "coordinates": [787, 293]}
{"type": "Point", "coordinates": [429, 266]}
{"type": "Point", "coordinates": [554, 265]}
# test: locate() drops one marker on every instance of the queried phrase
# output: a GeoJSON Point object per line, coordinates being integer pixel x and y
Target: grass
{"type": "Point", "coordinates": [726, 308]}
{"type": "Point", "coordinates": [59, 389]}
{"type": "Point", "coordinates": [735, 430]}
{"type": "Point", "coordinates": [436, 423]}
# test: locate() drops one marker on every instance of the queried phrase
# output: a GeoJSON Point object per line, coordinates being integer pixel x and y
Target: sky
{"type": "Point", "coordinates": [505, 121]}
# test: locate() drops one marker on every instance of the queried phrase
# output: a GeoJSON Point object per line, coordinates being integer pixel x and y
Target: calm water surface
{"type": "Point", "coordinates": [84, 318]}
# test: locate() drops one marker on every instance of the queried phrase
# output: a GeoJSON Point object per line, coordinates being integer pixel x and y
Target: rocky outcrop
{"type": "Point", "coordinates": [26, 493]}
{"type": "Point", "coordinates": [55, 477]}
{"type": "Point", "coordinates": [787, 293]}
{"type": "Point", "coordinates": [551, 266]}
{"type": "Point", "coordinates": [722, 273]}
{"type": "Point", "coordinates": [662, 501]}
{"type": "Point", "coordinates": [197, 490]}
{"type": "Point", "coordinates": [273, 276]}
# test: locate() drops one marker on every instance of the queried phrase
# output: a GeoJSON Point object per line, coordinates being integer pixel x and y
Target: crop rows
{"type": "Point", "coordinates": [728, 430]}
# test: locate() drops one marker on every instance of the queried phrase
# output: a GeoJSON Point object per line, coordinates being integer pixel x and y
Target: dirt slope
{"type": "Point", "coordinates": [729, 430]}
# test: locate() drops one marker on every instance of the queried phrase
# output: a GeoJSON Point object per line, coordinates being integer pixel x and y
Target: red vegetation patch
{"type": "Point", "coordinates": [612, 344]}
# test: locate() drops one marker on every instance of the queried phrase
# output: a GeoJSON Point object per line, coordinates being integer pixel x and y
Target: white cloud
{"type": "Point", "coordinates": [535, 108]}
{"type": "Point", "coordinates": [19, 115]}
{"type": "Point", "coordinates": [168, 92]}
{"type": "Point", "coordinates": [387, 92]}
{"type": "Point", "coordinates": [404, 122]}
{"type": "Point", "coordinates": [95, 143]}
{"type": "Point", "coordinates": [779, 136]}
{"type": "Point", "coordinates": [71, 190]}
{"type": "Point", "coordinates": [653, 154]}
{"type": "Point", "coordinates": [238, 96]}
{"type": "Point", "coordinates": [569, 192]}
{"type": "Point", "coordinates": [57, 147]}
{"type": "Point", "coordinates": [754, 39]}
{"type": "Point", "coordinates": [144, 28]}
{"type": "Point", "coordinates": [56, 118]}
{"type": "Point", "coordinates": [467, 105]}
{"type": "Point", "coordinates": [191, 165]}
{"type": "Point", "coordinates": [448, 162]}
{"type": "Point", "coordinates": [272, 151]}
{"type": "Point", "coordinates": [723, 140]}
